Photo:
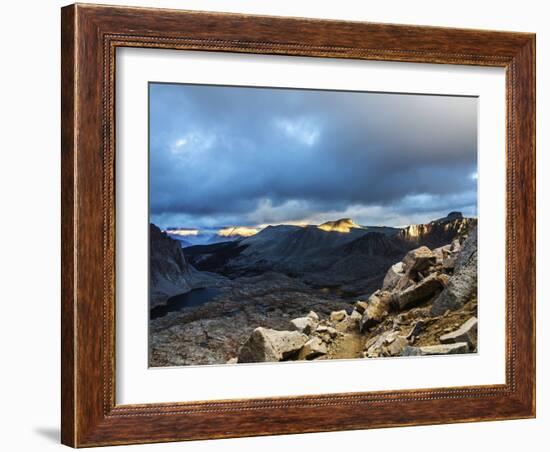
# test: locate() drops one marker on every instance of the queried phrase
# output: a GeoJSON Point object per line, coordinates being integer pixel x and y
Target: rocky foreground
{"type": "Point", "coordinates": [427, 305]}
{"type": "Point", "coordinates": [214, 332]}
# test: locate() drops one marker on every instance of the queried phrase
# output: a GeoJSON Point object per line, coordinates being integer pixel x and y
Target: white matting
{"type": "Point", "coordinates": [138, 384]}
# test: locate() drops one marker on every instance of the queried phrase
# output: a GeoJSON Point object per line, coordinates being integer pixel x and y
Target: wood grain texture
{"type": "Point", "coordinates": [67, 225]}
{"type": "Point", "coordinates": [90, 36]}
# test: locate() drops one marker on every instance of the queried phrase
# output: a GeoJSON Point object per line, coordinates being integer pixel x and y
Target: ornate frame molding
{"type": "Point", "coordinates": [90, 36]}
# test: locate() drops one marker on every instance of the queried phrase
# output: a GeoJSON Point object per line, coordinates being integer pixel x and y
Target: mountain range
{"type": "Point", "coordinates": [336, 255]}
{"type": "Point", "coordinates": [190, 237]}
{"type": "Point", "coordinates": [207, 300]}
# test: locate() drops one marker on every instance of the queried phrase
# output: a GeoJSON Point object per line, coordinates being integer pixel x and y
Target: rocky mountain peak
{"type": "Point", "coordinates": [238, 231]}
{"type": "Point", "coordinates": [169, 272]}
{"type": "Point", "coordinates": [452, 216]}
{"type": "Point", "coordinates": [438, 232]}
{"type": "Point", "coordinates": [341, 225]}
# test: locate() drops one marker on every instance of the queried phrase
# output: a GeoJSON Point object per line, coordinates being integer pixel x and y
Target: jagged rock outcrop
{"type": "Point", "coordinates": [438, 232]}
{"type": "Point", "coordinates": [411, 270]}
{"type": "Point", "coordinates": [418, 260]}
{"type": "Point", "coordinates": [169, 272]}
{"type": "Point", "coordinates": [417, 293]}
{"type": "Point", "coordinates": [376, 310]}
{"type": "Point", "coordinates": [462, 284]}
{"type": "Point", "coordinates": [446, 255]}
{"type": "Point", "coordinates": [393, 276]}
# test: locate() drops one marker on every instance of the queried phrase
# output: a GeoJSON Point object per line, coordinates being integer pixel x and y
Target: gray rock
{"type": "Point", "coordinates": [468, 250]}
{"type": "Point", "coordinates": [303, 324]}
{"type": "Point", "coordinates": [411, 351]}
{"type": "Point", "coordinates": [394, 274]}
{"type": "Point", "coordinates": [361, 306]}
{"type": "Point", "coordinates": [321, 329]}
{"type": "Point", "coordinates": [456, 246]}
{"type": "Point", "coordinates": [418, 259]}
{"type": "Point", "coordinates": [419, 292]}
{"type": "Point", "coordinates": [373, 347]}
{"type": "Point", "coordinates": [446, 256]}
{"type": "Point", "coordinates": [376, 311]}
{"type": "Point", "coordinates": [416, 330]}
{"type": "Point", "coordinates": [396, 346]}
{"type": "Point", "coordinates": [389, 343]}
{"type": "Point", "coordinates": [266, 345]}
{"type": "Point", "coordinates": [313, 315]}
{"type": "Point", "coordinates": [327, 333]}
{"type": "Point", "coordinates": [443, 349]}
{"type": "Point", "coordinates": [325, 338]}
{"type": "Point", "coordinates": [313, 348]}
{"type": "Point", "coordinates": [404, 283]}
{"type": "Point", "coordinates": [449, 262]}
{"type": "Point", "coordinates": [463, 284]}
{"type": "Point", "coordinates": [333, 332]}
{"type": "Point", "coordinates": [338, 316]}
{"type": "Point", "coordinates": [350, 324]}
{"type": "Point", "coordinates": [444, 278]}
{"type": "Point", "coordinates": [441, 253]}
{"type": "Point", "coordinates": [355, 317]}
{"type": "Point", "coordinates": [466, 333]}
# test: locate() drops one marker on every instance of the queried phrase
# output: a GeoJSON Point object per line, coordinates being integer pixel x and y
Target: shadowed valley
{"type": "Point", "coordinates": [335, 290]}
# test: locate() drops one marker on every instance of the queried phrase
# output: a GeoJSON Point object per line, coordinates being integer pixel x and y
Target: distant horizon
{"type": "Point", "coordinates": [197, 230]}
{"type": "Point", "coordinates": [223, 156]}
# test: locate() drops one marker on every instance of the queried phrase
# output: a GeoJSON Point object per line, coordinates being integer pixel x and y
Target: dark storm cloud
{"type": "Point", "coordinates": [227, 155]}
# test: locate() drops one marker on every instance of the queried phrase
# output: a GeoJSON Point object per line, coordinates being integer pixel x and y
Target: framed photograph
{"type": "Point", "coordinates": [281, 225]}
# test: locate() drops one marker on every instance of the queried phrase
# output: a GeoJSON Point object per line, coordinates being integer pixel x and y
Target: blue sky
{"type": "Point", "coordinates": [224, 156]}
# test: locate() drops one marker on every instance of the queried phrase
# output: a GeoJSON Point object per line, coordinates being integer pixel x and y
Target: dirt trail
{"type": "Point", "coordinates": [348, 346]}
{"type": "Point", "coordinates": [352, 344]}
{"type": "Point", "coordinates": [446, 323]}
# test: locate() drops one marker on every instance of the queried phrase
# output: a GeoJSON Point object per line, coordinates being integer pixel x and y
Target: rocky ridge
{"type": "Point", "coordinates": [412, 290]}
{"type": "Point", "coordinates": [427, 305]}
{"type": "Point", "coordinates": [338, 253]}
{"type": "Point", "coordinates": [169, 272]}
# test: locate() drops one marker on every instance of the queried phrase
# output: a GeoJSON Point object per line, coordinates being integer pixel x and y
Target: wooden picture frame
{"type": "Point", "coordinates": [90, 36]}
